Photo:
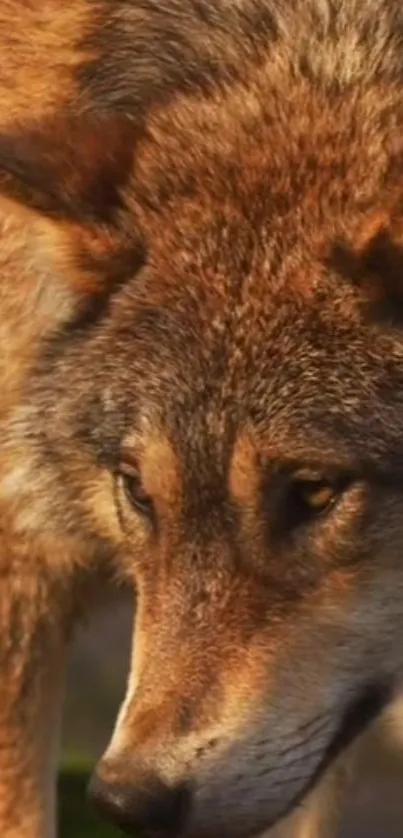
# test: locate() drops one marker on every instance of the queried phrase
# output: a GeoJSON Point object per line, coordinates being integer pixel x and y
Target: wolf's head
{"type": "Point", "coordinates": [218, 406]}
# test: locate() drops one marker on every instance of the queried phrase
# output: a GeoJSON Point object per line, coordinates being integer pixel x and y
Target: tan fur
{"type": "Point", "coordinates": [40, 52]}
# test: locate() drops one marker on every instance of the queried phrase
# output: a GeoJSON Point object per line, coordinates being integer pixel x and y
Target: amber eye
{"type": "Point", "coordinates": [312, 495]}
{"type": "Point", "coordinates": [316, 495]}
{"type": "Point", "coordinates": [134, 490]}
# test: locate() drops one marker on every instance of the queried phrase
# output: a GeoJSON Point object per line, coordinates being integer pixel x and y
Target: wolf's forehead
{"type": "Point", "coordinates": [228, 361]}
{"type": "Point", "coordinates": [301, 381]}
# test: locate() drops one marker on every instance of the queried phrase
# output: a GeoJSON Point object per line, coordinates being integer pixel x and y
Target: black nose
{"type": "Point", "coordinates": [141, 805]}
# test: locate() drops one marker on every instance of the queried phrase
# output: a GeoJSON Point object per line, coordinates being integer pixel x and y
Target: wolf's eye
{"type": "Point", "coordinates": [316, 495]}
{"type": "Point", "coordinates": [134, 491]}
{"type": "Point", "coordinates": [311, 494]}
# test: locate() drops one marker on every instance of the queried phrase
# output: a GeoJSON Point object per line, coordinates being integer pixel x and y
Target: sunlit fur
{"type": "Point", "coordinates": [201, 270]}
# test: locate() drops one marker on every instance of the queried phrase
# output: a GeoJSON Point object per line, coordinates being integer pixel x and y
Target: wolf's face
{"type": "Point", "coordinates": [224, 421]}
{"type": "Point", "coordinates": [233, 439]}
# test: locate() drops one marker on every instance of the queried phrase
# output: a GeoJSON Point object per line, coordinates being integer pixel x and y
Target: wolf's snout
{"type": "Point", "coordinates": [139, 802]}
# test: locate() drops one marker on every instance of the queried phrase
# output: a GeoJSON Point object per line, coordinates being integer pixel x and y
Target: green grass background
{"type": "Point", "coordinates": [77, 819]}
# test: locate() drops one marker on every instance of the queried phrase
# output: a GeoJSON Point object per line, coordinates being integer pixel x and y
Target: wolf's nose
{"type": "Point", "coordinates": [141, 804]}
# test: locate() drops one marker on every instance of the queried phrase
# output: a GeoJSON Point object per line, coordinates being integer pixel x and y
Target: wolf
{"type": "Point", "coordinates": [201, 366]}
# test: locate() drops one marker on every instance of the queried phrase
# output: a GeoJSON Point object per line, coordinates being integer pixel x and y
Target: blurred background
{"type": "Point", "coordinates": [96, 685]}
{"type": "Point", "coordinates": [97, 675]}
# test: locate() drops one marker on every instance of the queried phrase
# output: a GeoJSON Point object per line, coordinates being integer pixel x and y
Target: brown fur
{"type": "Point", "coordinates": [202, 221]}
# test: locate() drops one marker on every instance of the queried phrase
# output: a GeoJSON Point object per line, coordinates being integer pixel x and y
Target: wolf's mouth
{"type": "Point", "coordinates": [357, 717]}
{"type": "Point", "coordinates": [359, 714]}
{"type": "Point", "coordinates": [361, 710]}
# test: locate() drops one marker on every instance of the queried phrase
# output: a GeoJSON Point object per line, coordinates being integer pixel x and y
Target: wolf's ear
{"type": "Point", "coordinates": [373, 261]}
{"type": "Point", "coordinates": [69, 176]}
{"type": "Point", "coordinates": [69, 168]}
{"type": "Point", "coordinates": [379, 255]}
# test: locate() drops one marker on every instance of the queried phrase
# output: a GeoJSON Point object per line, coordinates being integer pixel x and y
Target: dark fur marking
{"type": "Point", "coordinates": [165, 49]}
